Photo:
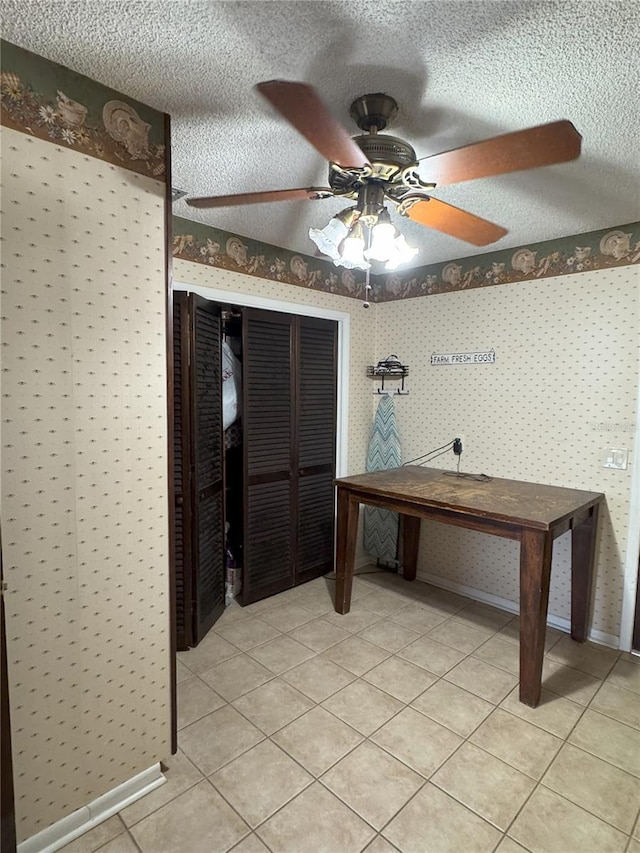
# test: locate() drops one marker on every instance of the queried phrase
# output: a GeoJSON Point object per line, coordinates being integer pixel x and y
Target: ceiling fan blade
{"type": "Point", "coordinates": [302, 107]}
{"type": "Point", "coordinates": [544, 145]}
{"type": "Point", "coordinates": [451, 220]}
{"type": "Point", "coordinates": [261, 197]}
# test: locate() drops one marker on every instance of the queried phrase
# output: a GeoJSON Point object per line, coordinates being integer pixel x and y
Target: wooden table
{"type": "Point", "coordinates": [531, 513]}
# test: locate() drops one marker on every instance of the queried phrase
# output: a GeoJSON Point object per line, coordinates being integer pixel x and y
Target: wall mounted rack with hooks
{"type": "Point", "coordinates": [389, 369]}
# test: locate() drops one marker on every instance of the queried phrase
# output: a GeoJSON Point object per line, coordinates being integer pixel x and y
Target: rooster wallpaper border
{"type": "Point", "coordinates": [44, 99]}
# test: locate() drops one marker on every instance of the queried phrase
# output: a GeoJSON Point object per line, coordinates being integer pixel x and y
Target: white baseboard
{"type": "Point", "coordinates": [65, 830]}
{"type": "Point", "coordinates": [513, 607]}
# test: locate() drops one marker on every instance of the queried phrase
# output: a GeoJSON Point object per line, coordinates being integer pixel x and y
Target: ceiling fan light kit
{"type": "Point", "coordinates": [343, 239]}
{"type": "Point", "coordinates": [347, 247]}
{"type": "Point", "coordinates": [374, 168]}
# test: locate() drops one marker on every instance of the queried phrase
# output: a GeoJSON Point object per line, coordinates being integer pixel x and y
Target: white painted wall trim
{"type": "Point", "coordinates": [630, 582]}
{"type": "Point", "coordinates": [343, 319]}
{"type": "Point", "coordinates": [512, 607]}
{"type": "Point", "coordinates": [65, 830]}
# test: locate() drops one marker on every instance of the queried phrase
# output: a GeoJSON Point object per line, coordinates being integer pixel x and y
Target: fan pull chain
{"type": "Point", "coordinates": [367, 276]}
{"type": "Point", "coordinates": [367, 289]}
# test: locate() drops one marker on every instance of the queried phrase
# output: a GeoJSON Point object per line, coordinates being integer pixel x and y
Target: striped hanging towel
{"type": "Point", "coordinates": [381, 525]}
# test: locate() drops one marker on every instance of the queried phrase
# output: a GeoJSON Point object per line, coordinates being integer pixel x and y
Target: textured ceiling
{"type": "Point", "coordinates": [461, 72]}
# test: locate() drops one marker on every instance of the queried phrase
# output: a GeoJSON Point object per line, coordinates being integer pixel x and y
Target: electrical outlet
{"type": "Point", "coordinates": [461, 438]}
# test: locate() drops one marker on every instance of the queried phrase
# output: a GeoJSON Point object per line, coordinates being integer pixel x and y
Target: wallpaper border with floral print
{"type": "Point", "coordinates": [44, 99]}
{"type": "Point", "coordinates": [594, 250]}
{"type": "Point", "coordinates": [195, 241]}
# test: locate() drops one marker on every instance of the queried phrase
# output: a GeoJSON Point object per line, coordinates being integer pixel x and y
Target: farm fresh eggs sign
{"type": "Point", "coordinates": [488, 357]}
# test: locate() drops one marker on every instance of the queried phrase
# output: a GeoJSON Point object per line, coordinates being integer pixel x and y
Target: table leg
{"type": "Point", "coordinates": [583, 551]}
{"type": "Point", "coordinates": [345, 549]}
{"type": "Point", "coordinates": [535, 571]}
{"type": "Point", "coordinates": [410, 540]}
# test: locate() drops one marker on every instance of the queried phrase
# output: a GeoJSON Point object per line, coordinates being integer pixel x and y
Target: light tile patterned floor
{"type": "Point", "coordinates": [395, 728]}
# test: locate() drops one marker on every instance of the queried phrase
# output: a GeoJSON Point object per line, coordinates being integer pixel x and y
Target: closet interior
{"type": "Point", "coordinates": [255, 406]}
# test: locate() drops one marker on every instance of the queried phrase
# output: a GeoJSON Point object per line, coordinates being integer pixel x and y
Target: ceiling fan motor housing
{"type": "Point", "coordinates": [389, 157]}
{"type": "Point", "coordinates": [386, 153]}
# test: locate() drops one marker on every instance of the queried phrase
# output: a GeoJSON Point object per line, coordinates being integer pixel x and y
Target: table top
{"type": "Point", "coordinates": [530, 504]}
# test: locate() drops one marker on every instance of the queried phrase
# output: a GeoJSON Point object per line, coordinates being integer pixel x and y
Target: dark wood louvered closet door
{"type": "Point", "coordinates": [289, 413]}
{"type": "Point", "coordinates": [181, 470]}
{"type": "Point", "coordinates": [208, 557]}
{"type": "Point", "coordinates": [316, 430]}
{"type": "Point", "coordinates": [198, 468]}
{"type": "Point", "coordinates": [268, 422]}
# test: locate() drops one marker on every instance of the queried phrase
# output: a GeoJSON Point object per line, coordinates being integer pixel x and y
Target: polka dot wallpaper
{"type": "Point", "coordinates": [563, 388]}
{"type": "Point", "coordinates": [84, 501]}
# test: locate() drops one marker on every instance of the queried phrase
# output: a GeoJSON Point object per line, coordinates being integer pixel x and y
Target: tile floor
{"type": "Point", "coordinates": [394, 728]}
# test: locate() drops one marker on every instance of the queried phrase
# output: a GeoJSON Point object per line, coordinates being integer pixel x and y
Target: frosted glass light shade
{"type": "Point", "coordinates": [402, 253]}
{"type": "Point", "coordinates": [352, 256]}
{"type": "Point", "coordinates": [382, 242]}
{"type": "Point", "coordinates": [348, 265]}
{"type": "Point", "coordinates": [328, 239]}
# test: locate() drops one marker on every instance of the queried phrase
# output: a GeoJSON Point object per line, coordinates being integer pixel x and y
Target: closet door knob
{"type": "Point", "coordinates": [179, 500]}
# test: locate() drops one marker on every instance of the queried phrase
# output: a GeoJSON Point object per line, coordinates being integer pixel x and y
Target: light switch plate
{"type": "Point", "coordinates": [616, 457]}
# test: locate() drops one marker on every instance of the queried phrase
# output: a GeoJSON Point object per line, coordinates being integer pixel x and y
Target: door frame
{"type": "Point", "coordinates": [343, 319]}
{"type": "Point", "coordinates": [631, 571]}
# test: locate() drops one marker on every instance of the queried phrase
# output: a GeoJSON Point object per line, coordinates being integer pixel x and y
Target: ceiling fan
{"type": "Point", "coordinates": [374, 167]}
